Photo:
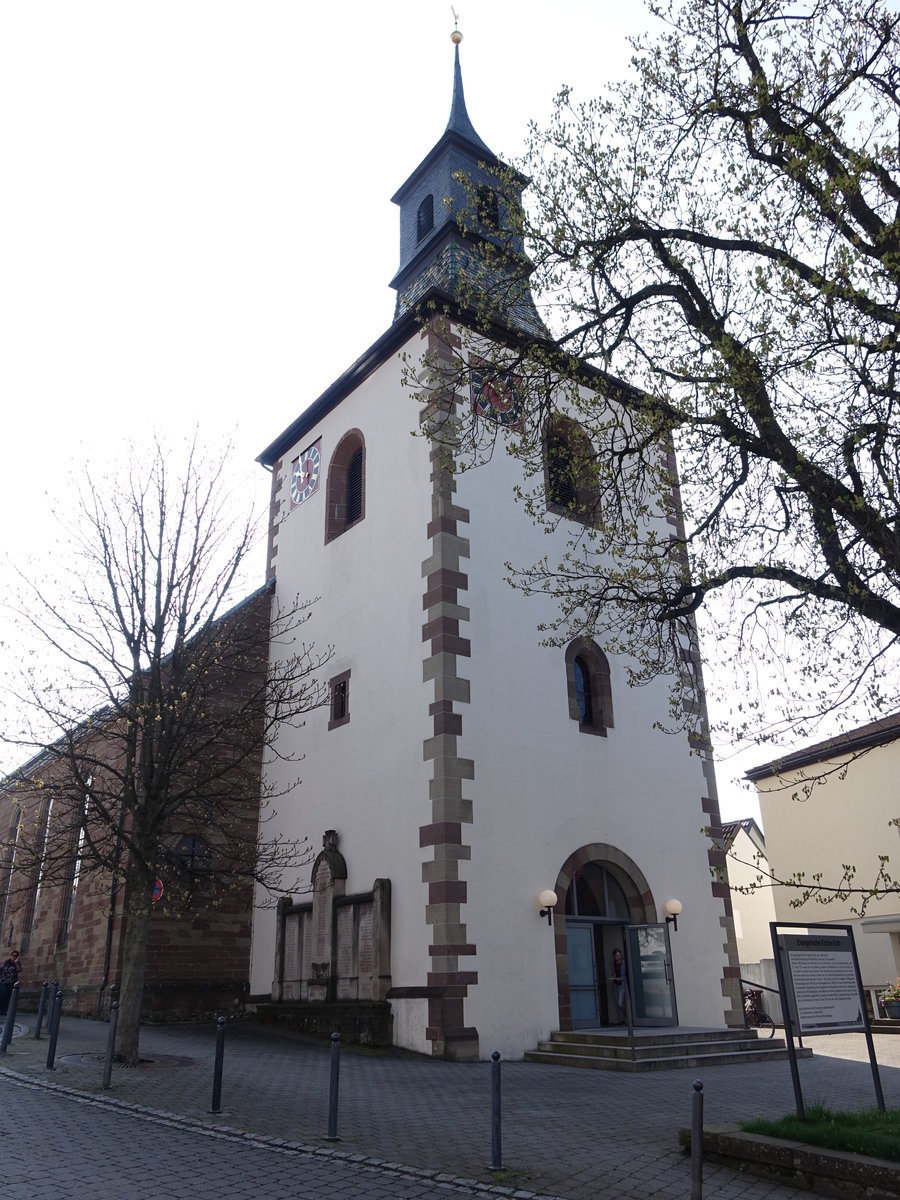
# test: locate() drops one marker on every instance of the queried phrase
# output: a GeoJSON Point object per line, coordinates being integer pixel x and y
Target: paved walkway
{"type": "Point", "coordinates": [60, 1148]}
{"type": "Point", "coordinates": [569, 1133]}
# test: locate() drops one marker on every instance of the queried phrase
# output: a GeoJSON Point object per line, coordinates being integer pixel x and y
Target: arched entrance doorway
{"type": "Point", "coordinates": [607, 908]}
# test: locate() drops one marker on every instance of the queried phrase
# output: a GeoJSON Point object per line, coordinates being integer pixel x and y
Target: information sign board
{"type": "Point", "coordinates": [823, 983]}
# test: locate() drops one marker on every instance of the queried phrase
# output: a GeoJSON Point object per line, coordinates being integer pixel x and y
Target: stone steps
{"type": "Point", "coordinates": [659, 1052]}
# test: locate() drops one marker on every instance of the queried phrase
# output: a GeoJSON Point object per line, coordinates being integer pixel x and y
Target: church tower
{"type": "Point", "coordinates": [458, 201]}
{"type": "Point", "coordinates": [462, 774]}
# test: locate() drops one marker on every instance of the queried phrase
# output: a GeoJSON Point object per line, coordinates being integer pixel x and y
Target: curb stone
{"type": "Point", "coordinates": [839, 1173]}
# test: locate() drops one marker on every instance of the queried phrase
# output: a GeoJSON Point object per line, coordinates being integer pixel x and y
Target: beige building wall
{"type": "Point", "coordinates": [824, 817]}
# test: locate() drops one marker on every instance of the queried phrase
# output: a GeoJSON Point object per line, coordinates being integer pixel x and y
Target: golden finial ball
{"type": "Point", "coordinates": [455, 37]}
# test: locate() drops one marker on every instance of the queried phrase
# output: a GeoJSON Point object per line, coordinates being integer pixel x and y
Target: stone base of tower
{"type": "Point", "coordinates": [449, 1038]}
{"type": "Point", "coordinates": [457, 1045]}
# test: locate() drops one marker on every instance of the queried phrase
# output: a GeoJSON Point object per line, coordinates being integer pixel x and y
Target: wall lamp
{"type": "Point", "coordinates": [548, 899]}
{"type": "Point", "coordinates": [673, 910]}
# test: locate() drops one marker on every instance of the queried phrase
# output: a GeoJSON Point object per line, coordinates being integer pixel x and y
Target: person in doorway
{"type": "Point", "coordinates": [620, 983]}
{"type": "Point", "coordinates": [9, 974]}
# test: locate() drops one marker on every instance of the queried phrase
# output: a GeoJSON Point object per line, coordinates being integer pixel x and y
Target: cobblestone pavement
{"type": "Point", "coordinates": [89, 1151]}
{"type": "Point", "coordinates": [571, 1133]}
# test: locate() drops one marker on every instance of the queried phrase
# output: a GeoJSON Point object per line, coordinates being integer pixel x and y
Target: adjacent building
{"type": "Point", "coordinates": [830, 814]}
{"type": "Point", "coordinates": [65, 899]}
{"type": "Point", "coordinates": [753, 904]}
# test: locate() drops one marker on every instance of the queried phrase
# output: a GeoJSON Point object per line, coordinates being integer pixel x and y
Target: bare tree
{"type": "Point", "coordinates": [149, 725]}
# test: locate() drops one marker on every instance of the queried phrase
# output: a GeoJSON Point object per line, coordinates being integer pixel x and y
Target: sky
{"type": "Point", "coordinates": [196, 227]}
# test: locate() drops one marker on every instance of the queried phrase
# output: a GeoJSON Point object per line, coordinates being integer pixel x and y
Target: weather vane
{"type": "Point", "coordinates": [455, 36]}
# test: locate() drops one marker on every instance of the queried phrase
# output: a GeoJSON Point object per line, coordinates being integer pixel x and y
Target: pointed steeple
{"type": "Point", "coordinates": [436, 253]}
{"type": "Point", "coordinates": [459, 122]}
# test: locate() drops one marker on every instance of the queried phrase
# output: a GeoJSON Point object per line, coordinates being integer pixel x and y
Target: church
{"type": "Point", "coordinates": [498, 817]}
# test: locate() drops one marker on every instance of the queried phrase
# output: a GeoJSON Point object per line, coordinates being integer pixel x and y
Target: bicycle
{"type": "Point", "coordinates": [757, 1018]}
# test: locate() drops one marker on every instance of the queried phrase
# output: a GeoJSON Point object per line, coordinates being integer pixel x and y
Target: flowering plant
{"type": "Point", "coordinates": [892, 991]}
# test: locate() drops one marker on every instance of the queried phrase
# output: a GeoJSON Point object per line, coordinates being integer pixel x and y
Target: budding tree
{"type": "Point", "coordinates": [714, 245]}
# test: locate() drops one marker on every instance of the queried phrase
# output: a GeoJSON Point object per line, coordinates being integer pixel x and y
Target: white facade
{"type": "Point", "coordinates": [540, 790]}
{"type": "Point", "coordinates": [458, 773]}
{"type": "Point", "coordinates": [754, 908]}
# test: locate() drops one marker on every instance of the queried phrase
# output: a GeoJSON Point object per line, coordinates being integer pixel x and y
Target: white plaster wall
{"type": "Point", "coordinates": [877, 951]}
{"type": "Point", "coordinates": [365, 779]}
{"type": "Point", "coordinates": [542, 790]}
{"type": "Point", "coordinates": [752, 911]}
{"type": "Point", "coordinates": [410, 1021]}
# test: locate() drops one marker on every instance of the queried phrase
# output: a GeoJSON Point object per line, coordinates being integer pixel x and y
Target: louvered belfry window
{"type": "Point", "coordinates": [354, 487]}
{"type": "Point", "coordinates": [425, 218]}
{"type": "Point", "coordinates": [345, 490]}
{"type": "Point", "coordinates": [561, 470]}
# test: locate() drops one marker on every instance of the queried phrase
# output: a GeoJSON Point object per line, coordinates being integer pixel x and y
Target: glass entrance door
{"type": "Point", "coordinates": [650, 971]}
{"type": "Point", "coordinates": [582, 975]}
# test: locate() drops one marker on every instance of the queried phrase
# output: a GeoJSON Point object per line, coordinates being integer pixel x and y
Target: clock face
{"type": "Point", "coordinates": [305, 474]}
{"type": "Point", "coordinates": [495, 396]}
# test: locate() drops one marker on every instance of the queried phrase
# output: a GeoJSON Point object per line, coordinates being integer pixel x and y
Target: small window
{"type": "Point", "coordinates": [488, 207]}
{"type": "Point", "coordinates": [73, 876]}
{"type": "Point", "coordinates": [588, 687]}
{"type": "Point", "coordinates": [425, 218]}
{"type": "Point", "coordinates": [340, 700]}
{"type": "Point", "coordinates": [346, 488]}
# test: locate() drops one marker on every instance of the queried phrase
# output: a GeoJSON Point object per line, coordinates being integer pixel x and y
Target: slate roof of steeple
{"type": "Point", "coordinates": [459, 130]}
{"type": "Point", "coordinates": [459, 122]}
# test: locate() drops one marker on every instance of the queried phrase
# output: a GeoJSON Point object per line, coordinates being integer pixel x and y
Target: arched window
{"type": "Point", "coordinates": [425, 218]}
{"type": "Point", "coordinates": [596, 891]}
{"type": "Point", "coordinates": [570, 471]}
{"type": "Point", "coordinates": [345, 503]}
{"type": "Point", "coordinates": [588, 687]}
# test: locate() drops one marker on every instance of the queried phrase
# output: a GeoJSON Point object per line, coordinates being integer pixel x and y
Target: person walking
{"type": "Point", "coordinates": [9, 975]}
{"type": "Point", "coordinates": [620, 983]}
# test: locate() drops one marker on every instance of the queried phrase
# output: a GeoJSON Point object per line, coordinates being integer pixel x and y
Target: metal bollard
{"type": "Point", "coordinates": [42, 1009]}
{"type": "Point", "coordinates": [332, 1135]}
{"type": "Point", "coordinates": [110, 1043]}
{"type": "Point", "coordinates": [55, 1014]}
{"type": "Point", "coordinates": [10, 1018]}
{"type": "Point", "coordinates": [217, 1070]}
{"type": "Point", "coordinates": [697, 1142]}
{"type": "Point", "coordinates": [496, 1157]}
